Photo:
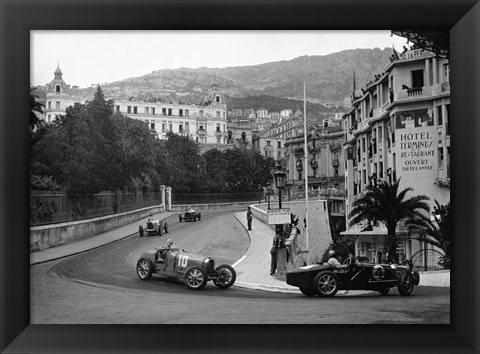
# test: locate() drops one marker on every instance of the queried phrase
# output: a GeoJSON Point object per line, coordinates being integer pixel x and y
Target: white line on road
{"type": "Point", "coordinates": [237, 262]}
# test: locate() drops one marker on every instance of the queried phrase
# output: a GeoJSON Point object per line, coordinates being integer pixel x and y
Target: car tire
{"type": "Point", "coordinates": [165, 227]}
{"type": "Point", "coordinates": [195, 278]}
{"type": "Point", "coordinates": [180, 218]}
{"type": "Point", "coordinates": [140, 230]}
{"type": "Point", "coordinates": [416, 278]}
{"type": "Point", "coordinates": [199, 216]}
{"type": "Point", "coordinates": [325, 284]}
{"type": "Point", "coordinates": [159, 231]}
{"type": "Point", "coordinates": [406, 283]}
{"type": "Point", "coordinates": [231, 276]}
{"type": "Point", "coordinates": [144, 269]}
{"type": "Point", "coordinates": [308, 291]}
{"type": "Point", "coordinates": [384, 291]}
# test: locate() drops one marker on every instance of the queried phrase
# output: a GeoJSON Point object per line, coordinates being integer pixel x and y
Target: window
{"type": "Point", "coordinates": [170, 125]}
{"type": "Point", "coordinates": [180, 112]}
{"type": "Point", "coordinates": [446, 72]}
{"type": "Point", "coordinates": [180, 127]}
{"type": "Point", "coordinates": [268, 142]}
{"type": "Point", "coordinates": [439, 115]}
{"type": "Point", "coordinates": [218, 140]}
{"type": "Point", "coordinates": [380, 172]}
{"type": "Point", "coordinates": [200, 113]}
{"type": "Point", "coordinates": [447, 120]}
{"type": "Point", "coordinates": [129, 109]}
{"type": "Point", "coordinates": [146, 110]}
{"type": "Point", "coordinates": [135, 110]}
{"type": "Point", "coordinates": [417, 78]}
{"type": "Point", "coordinates": [163, 127]}
{"type": "Point", "coordinates": [117, 108]}
{"type": "Point", "coordinates": [187, 113]}
{"type": "Point", "coordinates": [164, 111]}
{"type": "Point", "coordinates": [49, 104]}
{"type": "Point", "coordinates": [57, 105]}
{"type": "Point", "coordinates": [57, 88]}
{"type": "Point", "coordinates": [153, 110]}
{"type": "Point", "coordinates": [218, 114]}
{"type": "Point", "coordinates": [187, 127]}
{"type": "Point", "coordinates": [217, 99]}
{"type": "Point", "coordinates": [169, 111]}
{"type": "Point", "coordinates": [279, 144]}
{"type": "Point", "coordinates": [152, 126]}
{"type": "Point", "coordinates": [440, 157]}
{"type": "Point", "coordinates": [218, 127]}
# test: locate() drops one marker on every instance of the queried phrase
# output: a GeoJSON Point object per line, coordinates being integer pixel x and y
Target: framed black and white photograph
{"type": "Point", "coordinates": [239, 177]}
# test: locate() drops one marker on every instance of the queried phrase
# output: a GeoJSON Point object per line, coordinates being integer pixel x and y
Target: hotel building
{"type": "Point", "coordinates": [398, 128]}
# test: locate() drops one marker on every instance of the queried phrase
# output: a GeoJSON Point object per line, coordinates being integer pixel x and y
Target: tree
{"type": "Point", "coordinates": [36, 111]}
{"type": "Point", "coordinates": [386, 204]}
{"type": "Point", "coordinates": [437, 231]}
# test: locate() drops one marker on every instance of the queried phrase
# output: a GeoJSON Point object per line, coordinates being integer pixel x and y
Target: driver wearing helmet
{"type": "Point", "coordinates": [162, 251]}
{"type": "Point", "coordinates": [334, 262]}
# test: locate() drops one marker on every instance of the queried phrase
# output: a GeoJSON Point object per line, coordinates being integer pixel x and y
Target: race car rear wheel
{"type": "Point", "coordinates": [308, 291]}
{"type": "Point", "coordinates": [195, 278]}
{"type": "Point", "coordinates": [144, 269]}
{"type": "Point", "coordinates": [140, 230]}
{"type": "Point", "coordinates": [384, 291]}
{"type": "Point", "coordinates": [199, 216]}
{"type": "Point", "coordinates": [325, 283]}
{"type": "Point", "coordinates": [405, 283]}
{"type": "Point", "coordinates": [227, 276]}
{"type": "Point", "coordinates": [180, 218]}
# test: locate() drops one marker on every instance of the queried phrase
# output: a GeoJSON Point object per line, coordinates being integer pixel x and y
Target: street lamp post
{"type": "Point", "coordinates": [280, 180]}
{"type": "Point", "coordinates": [268, 194]}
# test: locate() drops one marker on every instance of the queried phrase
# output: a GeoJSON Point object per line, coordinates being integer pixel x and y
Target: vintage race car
{"type": "Point", "coordinates": [323, 280]}
{"type": "Point", "coordinates": [193, 270]}
{"type": "Point", "coordinates": [190, 215]}
{"type": "Point", "coordinates": [153, 227]}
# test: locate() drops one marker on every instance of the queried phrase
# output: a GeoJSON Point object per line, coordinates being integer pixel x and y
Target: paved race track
{"type": "Point", "coordinates": [101, 286]}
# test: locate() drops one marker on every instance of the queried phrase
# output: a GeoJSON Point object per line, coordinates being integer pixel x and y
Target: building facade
{"type": "Point", "coordinates": [205, 123]}
{"type": "Point", "coordinates": [398, 128]}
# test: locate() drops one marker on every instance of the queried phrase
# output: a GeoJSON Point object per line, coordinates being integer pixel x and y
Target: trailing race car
{"type": "Point", "coordinates": [153, 227]}
{"type": "Point", "coordinates": [323, 280]}
{"type": "Point", "coordinates": [193, 270]}
{"type": "Point", "coordinates": [190, 215]}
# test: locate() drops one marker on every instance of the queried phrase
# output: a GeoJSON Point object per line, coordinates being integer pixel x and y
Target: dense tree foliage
{"type": "Point", "coordinates": [91, 149]}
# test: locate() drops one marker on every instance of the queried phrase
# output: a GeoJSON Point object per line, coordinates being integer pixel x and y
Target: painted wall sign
{"type": "Point", "coordinates": [278, 216]}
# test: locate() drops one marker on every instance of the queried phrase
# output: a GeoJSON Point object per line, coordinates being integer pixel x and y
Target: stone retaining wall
{"type": "Point", "coordinates": [46, 236]}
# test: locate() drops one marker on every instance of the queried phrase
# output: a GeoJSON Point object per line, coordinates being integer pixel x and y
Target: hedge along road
{"type": "Point", "coordinates": [101, 286]}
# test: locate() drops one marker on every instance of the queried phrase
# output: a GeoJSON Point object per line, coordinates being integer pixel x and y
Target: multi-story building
{"type": "Point", "coordinates": [398, 128]}
{"type": "Point", "coordinates": [206, 123]}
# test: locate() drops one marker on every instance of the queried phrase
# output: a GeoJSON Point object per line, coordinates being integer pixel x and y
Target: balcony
{"type": "Point", "coordinates": [201, 132]}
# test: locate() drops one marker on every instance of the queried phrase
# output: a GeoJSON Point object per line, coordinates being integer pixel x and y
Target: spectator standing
{"type": "Point", "coordinates": [249, 219]}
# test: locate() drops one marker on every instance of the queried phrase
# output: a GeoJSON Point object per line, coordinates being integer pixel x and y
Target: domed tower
{"type": "Point", "coordinates": [58, 96]}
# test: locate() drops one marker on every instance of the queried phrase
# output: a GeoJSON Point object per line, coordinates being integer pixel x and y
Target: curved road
{"type": "Point", "coordinates": [101, 286]}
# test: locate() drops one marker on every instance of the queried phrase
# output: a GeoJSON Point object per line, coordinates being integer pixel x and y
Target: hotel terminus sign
{"type": "Point", "coordinates": [414, 137]}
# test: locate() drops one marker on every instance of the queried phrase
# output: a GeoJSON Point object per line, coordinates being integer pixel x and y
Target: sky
{"type": "Point", "coordinates": [93, 57]}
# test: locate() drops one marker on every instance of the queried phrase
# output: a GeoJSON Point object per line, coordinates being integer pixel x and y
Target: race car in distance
{"type": "Point", "coordinates": [193, 270]}
{"type": "Point", "coordinates": [190, 215]}
{"type": "Point", "coordinates": [153, 227]}
{"type": "Point", "coordinates": [323, 280]}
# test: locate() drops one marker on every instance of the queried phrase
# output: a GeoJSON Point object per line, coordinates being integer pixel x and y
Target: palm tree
{"type": "Point", "coordinates": [36, 110]}
{"type": "Point", "coordinates": [437, 231]}
{"type": "Point", "coordinates": [386, 204]}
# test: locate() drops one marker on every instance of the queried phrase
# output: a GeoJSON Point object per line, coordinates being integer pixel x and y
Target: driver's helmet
{"type": "Point", "coordinates": [331, 253]}
{"type": "Point", "coordinates": [169, 242]}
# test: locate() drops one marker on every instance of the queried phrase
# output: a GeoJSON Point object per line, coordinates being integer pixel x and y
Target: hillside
{"type": "Point", "coordinates": [328, 79]}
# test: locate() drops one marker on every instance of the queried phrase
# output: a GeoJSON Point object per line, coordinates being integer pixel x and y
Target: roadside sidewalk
{"type": "Point", "coordinates": [72, 248]}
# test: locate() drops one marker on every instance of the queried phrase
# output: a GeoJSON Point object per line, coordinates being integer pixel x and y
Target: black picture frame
{"type": "Point", "coordinates": [17, 18]}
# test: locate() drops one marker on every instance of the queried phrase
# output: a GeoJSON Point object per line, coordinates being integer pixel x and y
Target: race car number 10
{"type": "Point", "coordinates": [182, 260]}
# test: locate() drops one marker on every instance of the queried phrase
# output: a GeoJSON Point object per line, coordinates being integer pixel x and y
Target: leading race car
{"type": "Point", "coordinates": [190, 215]}
{"type": "Point", "coordinates": [153, 227]}
{"type": "Point", "coordinates": [323, 280]}
{"type": "Point", "coordinates": [193, 270]}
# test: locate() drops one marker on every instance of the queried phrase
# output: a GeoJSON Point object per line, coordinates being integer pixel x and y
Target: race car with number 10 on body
{"type": "Point", "coordinates": [191, 269]}
{"type": "Point", "coordinates": [324, 280]}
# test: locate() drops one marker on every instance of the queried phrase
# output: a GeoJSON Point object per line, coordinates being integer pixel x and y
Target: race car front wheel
{"type": "Point", "coordinates": [226, 276]}
{"type": "Point", "coordinates": [195, 278]}
{"type": "Point", "coordinates": [325, 283]}
{"type": "Point", "coordinates": [144, 269]}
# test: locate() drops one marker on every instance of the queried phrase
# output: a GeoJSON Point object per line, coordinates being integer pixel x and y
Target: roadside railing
{"type": "Point", "coordinates": [216, 198]}
{"type": "Point", "coordinates": [56, 207]}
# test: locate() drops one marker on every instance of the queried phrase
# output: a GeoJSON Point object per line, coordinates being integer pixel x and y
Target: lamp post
{"type": "Point", "coordinates": [280, 180]}
{"type": "Point", "coordinates": [269, 185]}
